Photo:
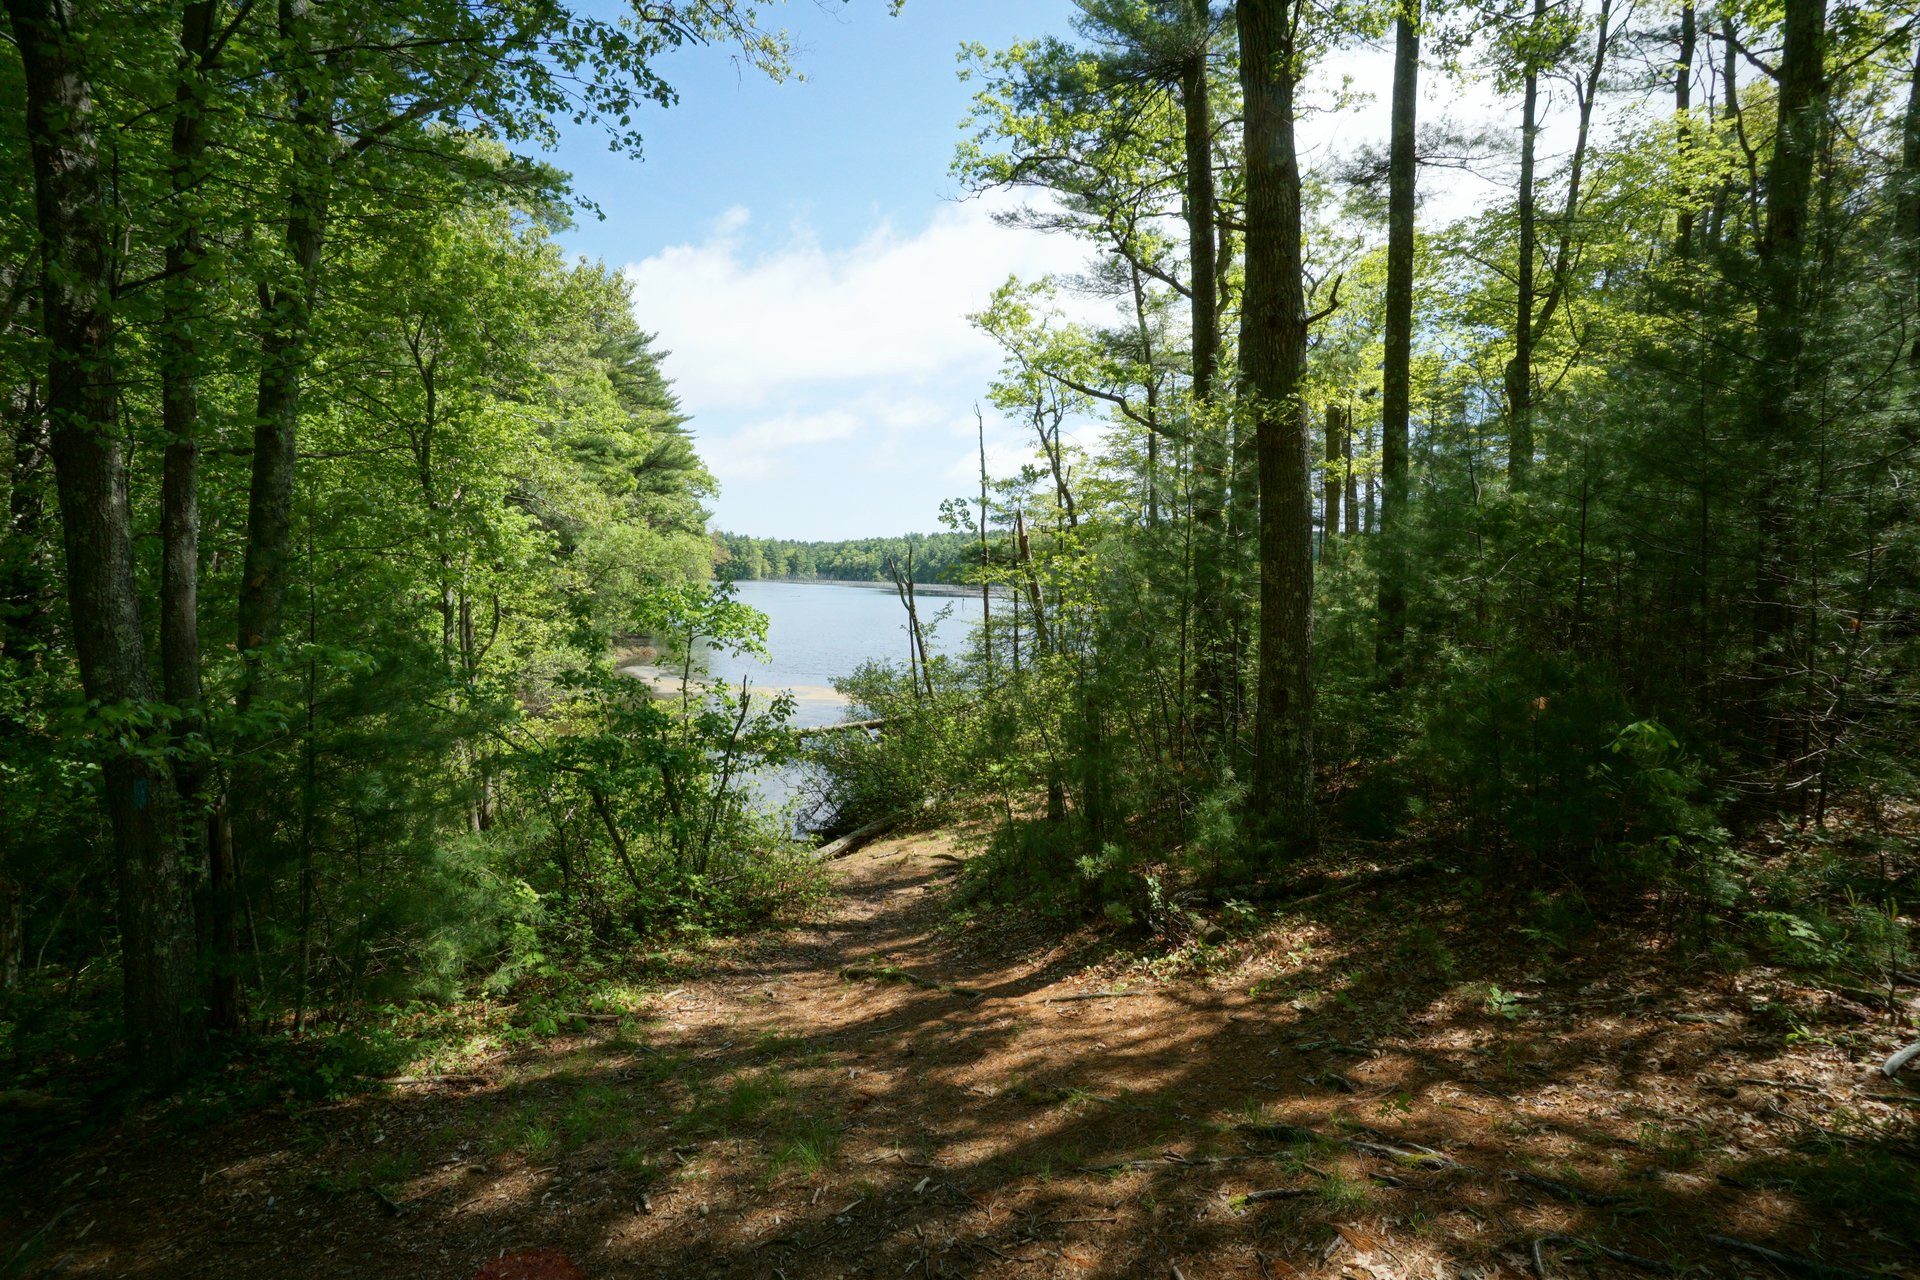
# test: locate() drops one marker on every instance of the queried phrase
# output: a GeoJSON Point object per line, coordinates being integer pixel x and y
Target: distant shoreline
{"type": "Point", "coordinates": [919, 588]}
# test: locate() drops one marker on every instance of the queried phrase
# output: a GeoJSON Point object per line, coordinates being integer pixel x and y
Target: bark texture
{"type": "Point", "coordinates": [1396, 390]}
{"type": "Point", "coordinates": [164, 1028]}
{"type": "Point", "coordinates": [1780, 416]}
{"type": "Point", "coordinates": [1273, 348]}
{"type": "Point", "coordinates": [1213, 675]}
{"type": "Point", "coordinates": [286, 322]}
{"type": "Point", "coordinates": [1519, 372]}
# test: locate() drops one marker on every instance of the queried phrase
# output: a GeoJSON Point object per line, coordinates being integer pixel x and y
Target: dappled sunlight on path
{"type": "Point", "coordinates": [1325, 1098]}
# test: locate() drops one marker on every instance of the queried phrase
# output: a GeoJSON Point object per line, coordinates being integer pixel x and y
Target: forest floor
{"type": "Point", "coordinates": [1317, 1094]}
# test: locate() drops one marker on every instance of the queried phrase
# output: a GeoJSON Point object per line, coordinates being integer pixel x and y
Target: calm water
{"type": "Point", "coordinates": [819, 630]}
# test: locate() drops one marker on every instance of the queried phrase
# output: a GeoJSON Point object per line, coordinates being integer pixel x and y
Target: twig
{"type": "Point", "coordinates": [429, 1079]}
{"type": "Point", "coordinates": [1420, 1158]}
{"type": "Point", "coordinates": [1764, 1083]}
{"type": "Point", "coordinates": [1095, 995]}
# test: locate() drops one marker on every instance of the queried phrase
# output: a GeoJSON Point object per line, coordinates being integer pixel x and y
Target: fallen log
{"type": "Point", "coordinates": [855, 840]}
{"type": "Point", "coordinates": [887, 973]}
{"type": "Point", "coordinates": [817, 731]}
{"type": "Point", "coordinates": [1891, 1067]}
{"type": "Point", "coordinates": [1317, 889]}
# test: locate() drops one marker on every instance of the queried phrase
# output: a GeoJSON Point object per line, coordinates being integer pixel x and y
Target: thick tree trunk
{"type": "Point", "coordinates": [164, 1029]}
{"type": "Point", "coordinates": [1396, 391]}
{"type": "Point", "coordinates": [179, 359]}
{"type": "Point", "coordinates": [1273, 348]}
{"type": "Point", "coordinates": [1780, 419]}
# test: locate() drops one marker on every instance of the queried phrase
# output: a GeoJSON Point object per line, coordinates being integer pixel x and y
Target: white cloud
{"type": "Point", "coordinates": [749, 451]}
{"type": "Point", "coordinates": [748, 327]}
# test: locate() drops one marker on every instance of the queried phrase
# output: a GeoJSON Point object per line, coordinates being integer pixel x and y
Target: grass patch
{"type": "Point", "coordinates": [1342, 1194]}
{"type": "Point", "coordinates": [381, 1173]}
{"type": "Point", "coordinates": [806, 1148]}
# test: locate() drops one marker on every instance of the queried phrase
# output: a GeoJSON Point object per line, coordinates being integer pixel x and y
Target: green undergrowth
{"type": "Point", "coordinates": [59, 1044]}
{"type": "Point", "coordinates": [1867, 1183]}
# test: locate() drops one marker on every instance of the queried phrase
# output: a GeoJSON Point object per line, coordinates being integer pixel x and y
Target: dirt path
{"type": "Point", "coordinates": [777, 1119]}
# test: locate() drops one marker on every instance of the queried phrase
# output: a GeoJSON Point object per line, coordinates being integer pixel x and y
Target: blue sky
{"type": "Point", "coordinates": [801, 253]}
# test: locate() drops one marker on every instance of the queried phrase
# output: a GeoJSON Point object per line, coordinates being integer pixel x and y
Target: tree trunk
{"type": "Point", "coordinates": [26, 579]}
{"type": "Point", "coordinates": [286, 321]}
{"type": "Point", "coordinates": [986, 555]}
{"type": "Point", "coordinates": [164, 1029]}
{"type": "Point", "coordinates": [179, 360]}
{"type": "Point", "coordinates": [1366, 505]}
{"type": "Point", "coordinates": [1519, 373]}
{"type": "Point", "coordinates": [1586, 92]}
{"type": "Point", "coordinates": [1910, 195]}
{"type": "Point", "coordinates": [1213, 658]}
{"type": "Point", "coordinates": [1396, 391]}
{"type": "Point", "coordinates": [1333, 481]}
{"type": "Point", "coordinates": [1273, 344]}
{"type": "Point", "coordinates": [1689, 41]}
{"type": "Point", "coordinates": [1352, 526]}
{"type": "Point", "coordinates": [1780, 419]}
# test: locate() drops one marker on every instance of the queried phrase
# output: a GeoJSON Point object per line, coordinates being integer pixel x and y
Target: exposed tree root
{"type": "Point", "coordinates": [1577, 1195]}
{"type": "Point", "coordinates": [1621, 1256]}
{"type": "Point", "coordinates": [1792, 1263]}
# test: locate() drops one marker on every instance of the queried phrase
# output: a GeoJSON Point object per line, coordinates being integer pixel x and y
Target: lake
{"type": "Point", "coordinates": [817, 631]}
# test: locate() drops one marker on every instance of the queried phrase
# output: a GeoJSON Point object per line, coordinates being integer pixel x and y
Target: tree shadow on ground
{"type": "Point", "coordinates": [1418, 1096]}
